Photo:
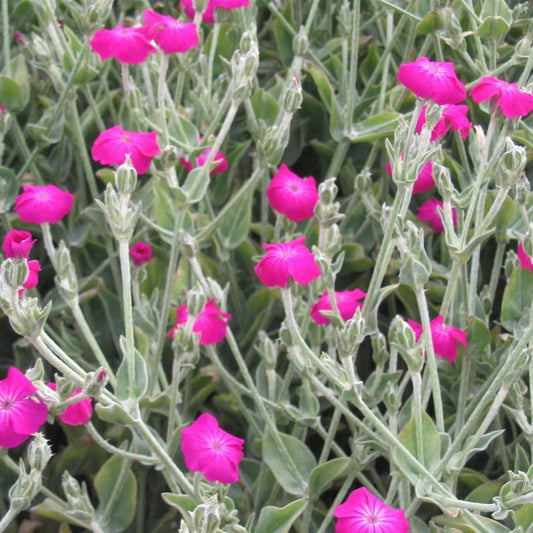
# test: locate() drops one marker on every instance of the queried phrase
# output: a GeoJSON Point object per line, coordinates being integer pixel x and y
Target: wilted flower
{"type": "Point", "coordinates": [432, 79]}
{"type": "Point", "coordinates": [512, 101]}
{"type": "Point", "coordinates": [43, 203]}
{"type": "Point", "coordinates": [78, 413]}
{"type": "Point", "coordinates": [443, 336]}
{"type": "Point", "coordinates": [347, 303]}
{"type": "Point", "coordinates": [17, 244]}
{"type": "Point", "coordinates": [113, 144]}
{"type": "Point", "coordinates": [428, 212]}
{"type": "Point", "coordinates": [452, 115]}
{"type": "Point", "coordinates": [209, 14]}
{"type": "Point", "coordinates": [170, 34]}
{"type": "Point", "coordinates": [424, 181]}
{"type": "Point", "coordinates": [291, 195]}
{"type": "Point", "coordinates": [211, 323]}
{"type": "Point", "coordinates": [21, 413]}
{"type": "Point", "coordinates": [362, 512]}
{"type": "Point", "coordinates": [209, 449]}
{"type": "Point", "coordinates": [127, 45]}
{"type": "Point", "coordinates": [285, 260]}
{"type": "Point", "coordinates": [140, 253]}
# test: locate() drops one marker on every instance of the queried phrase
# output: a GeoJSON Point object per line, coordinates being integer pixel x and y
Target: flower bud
{"type": "Point", "coordinates": [206, 517]}
{"type": "Point", "coordinates": [126, 177]}
{"type": "Point", "coordinates": [380, 354]}
{"type": "Point", "coordinates": [351, 335]}
{"type": "Point", "coordinates": [300, 43]}
{"type": "Point", "coordinates": [39, 452]}
{"type": "Point", "coordinates": [268, 350]}
{"type": "Point", "coordinates": [510, 265]}
{"type": "Point", "coordinates": [188, 245]}
{"type": "Point", "coordinates": [402, 338]}
{"type": "Point", "coordinates": [433, 115]}
{"type": "Point", "coordinates": [195, 301]}
{"type": "Point", "coordinates": [345, 20]}
{"type": "Point", "coordinates": [15, 272]}
{"type": "Point", "coordinates": [66, 279]}
{"type": "Point", "coordinates": [443, 181]}
{"type": "Point", "coordinates": [363, 182]}
{"type": "Point", "coordinates": [522, 189]}
{"type": "Point", "coordinates": [512, 162]}
{"type": "Point", "coordinates": [95, 383]}
{"type": "Point", "coordinates": [292, 99]}
{"type": "Point", "coordinates": [200, 6]}
{"type": "Point", "coordinates": [31, 317]}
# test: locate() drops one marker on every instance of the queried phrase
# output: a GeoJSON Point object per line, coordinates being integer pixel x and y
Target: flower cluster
{"type": "Point", "coordinates": [17, 245]}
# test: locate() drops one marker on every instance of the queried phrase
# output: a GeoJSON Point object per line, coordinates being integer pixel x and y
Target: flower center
{"type": "Point", "coordinates": [216, 446]}
{"type": "Point", "coordinates": [6, 404]}
{"type": "Point", "coordinates": [125, 138]}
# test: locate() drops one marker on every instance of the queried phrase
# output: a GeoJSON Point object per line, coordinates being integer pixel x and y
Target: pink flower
{"type": "Point", "coordinates": [21, 413]}
{"type": "Point", "coordinates": [284, 260]}
{"type": "Point", "coordinates": [424, 181]}
{"type": "Point", "coordinates": [362, 512]}
{"type": "Point", "coordinates": [525, 260]}
{"type": "Point", "coordinates": [127, 45]}
{"type": "Point", "coordinates": [112, 145]}
{"type": "Point", "coordinates": [17, 244]}
{"type": "Point", "coordinates": [78, 413]}
{"type": "Point", "coordinates": [428, 212]}
{"type": "Point", "coordinates": [209, 14]}
{"type": "Point", "coordinates": [454, 115]}
{"type": "Point", "coordinates": [140, 253]}
{"type": "Point", "coordinates": [43, 203]}
{"type": "Point", "coordinates": [209, 449]}
{"type": "Point", "coordinates": [33, 277]}
{"type": "Point", "coordinates": [432, 79]}
{"type": "Point", "coordinates": [443, 336]}
{"type": "Point", "coordinates": [211, 323]}
{"type": "Point", "coordinates": [512, 101]}
{"type": "Point", "coordinates": [170, 34]}
{"type": "Point", "coordinates": [202, 159]}
{"type": "Point", "coordinates": [291, 195]}
{"type": "Point", "coordinates": [19, 37]}
{"type": "Point", "coordinates": [347, 302]}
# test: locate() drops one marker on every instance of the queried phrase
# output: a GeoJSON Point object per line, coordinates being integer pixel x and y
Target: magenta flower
{"type": "Point", "coordinates": [78, 413]}
{"type": "Point", "coordinates": [347, 302]}
{"type": "Point", "coordinates": [424, 181]}
{"type": "Point", "coordinates": [33, 277]}
{"type": "Point", "coordinates": [202, 158]}
{"type": "Point", "coordinates": [112, 145]}
{"type": "Point", "coordinates": [525, 260]}
{"type": "Point", "coordinates": [127, 45]}
{"type": "Point", "coordinates": [428, 212]}
{"type": "Point", "coordinates": [211, 323]}
{"type": "Point", "coordinates": [209, 449]}
{"type": "Point", "coordinates": [443, 336]}
{"type": "Point", "coordinates": [21, 412]}
{"type": "Point", "coordinates": [43, 203]}
{"type": "Point", "coordinates": [291, 195]}
{"type": "Point", "coordinates": [209, 14]}
{"type": "Point", "coordinates": [512, 101]}
{"type": "Point", "coordinates": [284, 260]}
{"type": "Point", "coordinates": [452, 115]}
{"type": "Point", "coordinates": [432, 79]}
{"type": "Point", "coordinates": [362, 512]}
{"type": "Point", "coordinates": [170, 34]}
{"type": "Point", "coordinates": [140, 253]}
{"type": "Point", "coordinates": [17, 244]}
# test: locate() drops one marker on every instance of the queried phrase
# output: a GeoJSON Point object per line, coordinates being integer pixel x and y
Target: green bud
{"type": "Point", "coordinates": [327, 191]}
{"type": "Point", "coordinates": [15, 272]}
{"type": "Point", "coordinates": [522, 188]}
{"type": "Point", "coordinates": [292, 99]}
{"type": "Point", "coordinates": [443, 180]}
{"type": "Point", "coordinates": [39, 452]}
{"type": "Point", "coordinates": [77, 497]}
{"type": "Point", "coordinates": [402, 338]}
{"type": "Point", "coordinates": [188, 245]}
{"type": "Point", "coordinates": [170, 156]}
{"type": "Point", "coordinates": [126, 178]}
{"type": "Point", "coordinates": [206, 517]}
{"type": "Point", "coordinates": [268, 350]}
{"type": "Point", "coordinates": [195, 301]}
{"type": "Point", "coordinates": [31, 318]}
{"type": "Point", "coordinates": [433, 115]}
{"type": "Point", "coordinates": [351, 335]}
{"type": "Point", "coordinates": [200, 6]}
{"type": "Point", "coordinates": [95, 382]}
{"type": "Point", "coordinates": [513, 162]}
{"type": "Point", "coordinates": [345, 20]}
{"type": "Point", "coordinates": [363, 182]}
{"type": "Point", "coordinates": [248, 42]}
{"type": "Point", "coordinates": [66, 279]}
{"type": "Point", "coordinates": [380, 354]}
{"type": "Point", "coordinates": [300, 43]}
{"type": "Point", "coordinates": [510, 265]}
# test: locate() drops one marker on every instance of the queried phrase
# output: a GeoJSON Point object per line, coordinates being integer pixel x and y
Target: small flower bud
{"type": "Point", "coordinates": [402, 337]}
{"type": "Point", "coordinates": [15, 272]}
{"type": "Point", "coordinates": [511, 264]}
{"type": "Point", "coordinates": [126, 177]}
{"type": "Point", "coordinates": [268, 350]}
{"type": "Point", "coordinates": [513, 161]}
{"type": "Point", "coordinates": [380, 354]}
{"type": "Point", "coordinates": [292, 98]}
{"type": "Point", "coordinates": [188, 244]}
{"type": "Point", "coordinates": [170, 156]}
{"type": "Point", "coordinates": [300, 43]}
{"type": "Point", "coordinates": [95, 383]}
{"type": "Point", "coordinates": [363, 182]}
{"type": "Point", "coordinates": [248, 42]}
{"type": "Point", "coordinates": [206, 517]}
{"type": "Point", "coordinates": [433, 115]}
{"type": "Point", "coordinates": [345, 20]}
{"type": "Point", "coordinates": [349, 337]}
{"type": "Point", "coordinates": [39, 452]}
{"type": "Point", "coordinates": [522, 188]}
{"type": "Point", "coordinates": [195, 301]}
{"type": "Point", "coordinates": [443, 181]}
{"type": "Point", "coordinates": [327, 191]}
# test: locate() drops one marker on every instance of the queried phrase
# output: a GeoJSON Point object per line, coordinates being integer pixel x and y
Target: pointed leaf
{"type": "Point", "coordinates": [517, 300]}
{"type": "Point", "coordinates": [279, 519]}
{"type": "Point", "coordinates": [323, 476]}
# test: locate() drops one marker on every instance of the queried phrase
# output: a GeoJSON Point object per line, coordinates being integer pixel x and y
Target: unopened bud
{"type": "Point", "coordinates": [200, 6]}
{"type": "Point", "coordinates": [15, 272]}
{"type": "Point", "coordinates": [195, 301]}
{"type": "Point", "coordinates": [402, 338]}
{"type": "Point", "coordinates": [513, 161]}
{"type": "Point", "coordinates": [380, 354]}
{"type": "Point", "coordinates": [268, 350]}
{"type": "Point", "coordinates": [522, 188]}
{"type": "Point", "coordinates": [345, 20]}
{"type": "Point", "coordinates": [188, 244]}
{"type": "Point", "coordinates": [300, 43]}
{"type": "Point", "coordinates": [126, 177]}
{"type": "Point", "coordinates": [510, 265]}
{"type": "Point", "coordinates": [349, 337]}
{"type": "Point", "coordinates": [293, 96]}
{"type": "Point", "coordinates": [363, 182]}
{"type": "Point", "coordinates": [327, 191]}
{"type": "Point", "coordinates": [39, 452]}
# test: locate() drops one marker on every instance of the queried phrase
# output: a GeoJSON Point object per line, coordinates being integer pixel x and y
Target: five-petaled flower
{"type": "Point", "coordinates": [127, 45]}
{"type": "Point", "coordinates": [170, 34]}
{"type": "Point", "coordinates": [78, 413]}
{"type": "Point", "coordinates": [17, 244]}
{"type": "Point", "coordinates": [140, 253]}
{"type": "Point", "coordinates": [443, 336]}
{"type": "Point", "coordinates": [453, 115]}
{"type": "Point", "coordinates": [429, 212]}
{"type": "Point", "coordinates": [512, 101]}
{"type": "Point", "coordinates": [432, 79]}
{"type": "Point", "coordinates": [291, 195]}
{"type": "Point", "coordinates": [113, 144]}
{"type": "Point", "coordinates": [287, 260]}
{"type": "Point", "coordinates": [209, 14]}
{"type": "Point", "coordinates": [525, 260]}
{"type": "Point", "coordinates": [424, 181]}
{"type": "Point", "coordinates": [21, 412]}
{"type": "Point", "coordinates": [209, 449]}
{"type": "Point", "coordinates": [211, 323]}
{"type": "Point", "coordinates": [38, 204]}
{"type": "Point", "coordinates": [347, 303]}
{"type": "Point", "coordinates": [362, 512]}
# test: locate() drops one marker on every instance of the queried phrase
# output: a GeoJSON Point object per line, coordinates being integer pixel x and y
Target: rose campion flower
{"type": "Point", "coordinates": [33, 277]}
{"type": "Point", "coordinates": [211, 323]}
{"type": "Point", "coordinates": [424, 181]}
{"type": "Point", "coordinates": [287, 260]}
{"type": "Point", "coordinates": [525, 260]}
{"type": "Point", "coordinates": [428, 212]}
{"type": "Point", "coordinates": [202, 159]}
{"type": "Point", "coordinates": [112, 145]}
{"type": "Point", "coordinates": [444, 337]}
{"type": "Point", "coordinates": [362, 512]}
{"type": "Point", "coordinates": [38, 204]}
{"type": "Point", "coordinates": [291, 195]}
{"type": "Point", "coordinates": [127, 45]}
{"type": "Point", "coordinates": [78, 413]}
{"type": "Point", "coordinates": [209, 449]}
{"type": "Point", "coordinates": [512, 101]}
{"type": "Point", "coordinates": [17, 244]}
{"type": "Point", "coordinates": [347, 302]}
{"type": "Point", "coordinates": [452, 115]}
{"type": "Point", "coordinates": [432, 79]}
{"type": "Point", "coordinates": [209, 14]}
{"type": "Point", "coordinates": [21, 413]}
{"type": "Point", "coordinates": [140, 253]}
{"type": "Point", "coordinates": [170, 34]}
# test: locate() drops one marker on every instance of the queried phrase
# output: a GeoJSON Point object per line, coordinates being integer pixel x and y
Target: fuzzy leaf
{"type": "Point", "coordinates": [279, 519]}
{"type": "Point", "coordinates": [323, 476]}
{"type": "Point", "coordinates": [517, 300]}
